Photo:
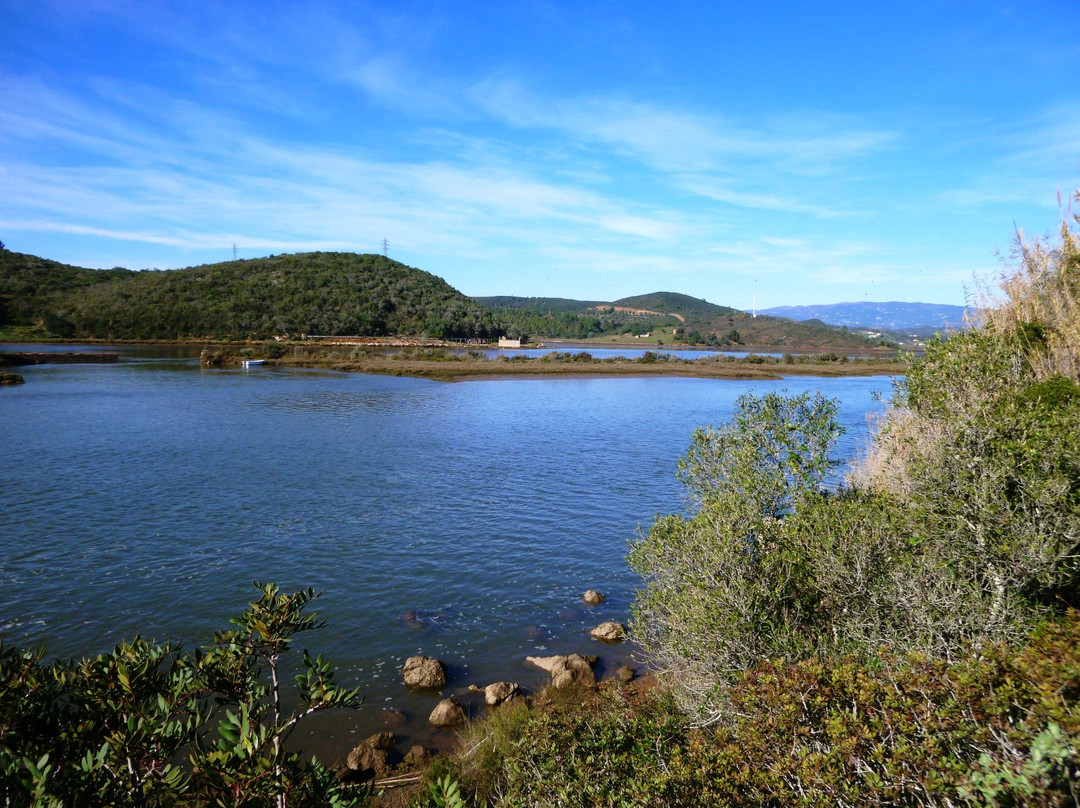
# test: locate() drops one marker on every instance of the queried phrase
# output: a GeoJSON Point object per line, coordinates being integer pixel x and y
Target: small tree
{"type": "Point", "coordinates": [130, 727]}
{"type": "Point", "coordinates": [248, 759]}
{"type": "Point", "coordinates": [722, 587]}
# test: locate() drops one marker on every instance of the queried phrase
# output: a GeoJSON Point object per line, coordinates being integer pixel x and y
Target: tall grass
{"type": "Point", "coordinates": [1040, 303]}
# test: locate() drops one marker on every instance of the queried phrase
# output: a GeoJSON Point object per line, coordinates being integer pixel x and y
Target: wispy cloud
{"type": "Point", "coordinates": [332, 126]}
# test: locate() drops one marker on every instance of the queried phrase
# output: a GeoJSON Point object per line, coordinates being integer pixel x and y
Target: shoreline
{"type": "Point", "coordinates": [443, 364]}
{"type": "Point", "coordinates": [453, 362]}
{"type": "Point", "coordinates": [553, 344]}
{"type": "Point", "coordinates": [541, 368]}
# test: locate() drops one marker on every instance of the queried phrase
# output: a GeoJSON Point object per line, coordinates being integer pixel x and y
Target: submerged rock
{"type": "Point", "coordinates": [593, 598]}
{"type": "Point", "coordinates": [609, 632]}
{"type": "Point", "coordinates": [425, 673]}
{"type": "Point", "coordinates": [625, 674]}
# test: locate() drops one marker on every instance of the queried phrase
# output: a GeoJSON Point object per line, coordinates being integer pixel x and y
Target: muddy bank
{"type": "Point", "coordinates": [17, 358]}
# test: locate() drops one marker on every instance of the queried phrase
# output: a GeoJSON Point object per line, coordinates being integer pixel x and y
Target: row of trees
{"type": "Point", "coordinates": [576, 325]}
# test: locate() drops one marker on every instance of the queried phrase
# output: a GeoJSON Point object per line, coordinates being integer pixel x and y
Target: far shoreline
{"type": "Point", "coordinates": [440, 360]}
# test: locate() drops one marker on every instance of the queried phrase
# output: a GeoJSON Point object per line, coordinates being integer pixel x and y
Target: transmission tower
{"type": "Point", "coordinates": [385, 247]}
{"type": "Point", "coordinates": [234, 252]}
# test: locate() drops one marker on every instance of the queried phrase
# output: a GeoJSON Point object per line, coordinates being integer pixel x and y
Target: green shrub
{"type": "Point", "coordinates": [152, 725]}
{"type": "Point", "coordinates": [722, 586]}
{"type": "Point", "coordinates": [998, 726]}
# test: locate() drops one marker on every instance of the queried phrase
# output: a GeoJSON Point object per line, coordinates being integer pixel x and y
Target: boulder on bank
{"type": "Point", "coordinates": [593, 598]}
{"type": "Point", "coordinates": [448, 713]}
{"type": "Point", "coordinates": [572, 669]}
{"type": "Point", "coordinates": [416, 758]}
{"type": "Point", "coordinates": [499, 692]}
{"type": "Point", "coordinates": [609, 632]}
{"type": "Point", "coordinates": [372, 757]}
{"type": "Point", "coordinates": [424, 673]}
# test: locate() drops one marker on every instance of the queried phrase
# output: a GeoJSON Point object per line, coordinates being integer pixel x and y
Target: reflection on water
{"type": "Point", "coordinates": [145, 497]}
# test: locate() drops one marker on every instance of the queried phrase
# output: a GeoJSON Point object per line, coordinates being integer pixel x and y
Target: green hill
{"type": "Point", "coordinates": [538, 304]}
{"type": "Point", "coordinates": [335, 293]}
{"type": "Point", "coordinates": [689, 320]}
{"type": "Point", "coordinates": [684, 306]}
{"type": "Point", "coordinates": [307, 293]}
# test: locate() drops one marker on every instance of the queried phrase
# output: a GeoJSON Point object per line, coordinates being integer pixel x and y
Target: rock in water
{"type": "Point", "coordinates": [448, 713]}
{"type": "Point", "coordinates": [371, 757]}
{"type": "Point", "coordinates": [495, 694]}
{"type": "Point", "coordinates": [609, 632]}
{"type": "Point", "coordinates": [593, 598]}
{"type": "Point", "coordinates": [418, 756]}
{"type": "Point", "coordinates": [424, 672]}
{"type": "Point", "coordinates": [565, 671]}
{"type": "Point", "coordinates": [545, 663]}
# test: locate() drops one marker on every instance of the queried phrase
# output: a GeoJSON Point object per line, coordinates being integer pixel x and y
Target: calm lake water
{"type": "Point", "coordinates": [146, 496]}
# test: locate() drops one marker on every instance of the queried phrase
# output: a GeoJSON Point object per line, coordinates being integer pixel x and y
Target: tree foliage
{"type": "Point", "coordinates": [960, 526]}
{"type": "Point", "coordinates": [308, 293]}
{"type": "Point", "coordinates": [153, 725]}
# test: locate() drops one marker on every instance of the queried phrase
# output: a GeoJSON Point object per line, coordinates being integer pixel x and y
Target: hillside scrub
{"type": "Point", "coordinates": [308, 293]}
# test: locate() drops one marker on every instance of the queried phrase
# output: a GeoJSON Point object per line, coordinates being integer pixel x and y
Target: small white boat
{"type": "Point", "coordinates": [251, 363]}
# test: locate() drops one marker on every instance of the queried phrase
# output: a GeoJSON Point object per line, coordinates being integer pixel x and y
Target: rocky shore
{"type": "Point", "coordinates": [378, 757]}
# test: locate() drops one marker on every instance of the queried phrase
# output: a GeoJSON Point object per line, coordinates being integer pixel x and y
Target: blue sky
{"type": "Point", "coordinates": [788, 152]}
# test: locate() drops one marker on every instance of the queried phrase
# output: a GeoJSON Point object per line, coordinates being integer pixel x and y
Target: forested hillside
{"type": "Point", "coordinates": [349, 294]}
{"type": "Point", "coordinates": [683, 319]}
{"type": "Point", "coordinates": [306, 293]}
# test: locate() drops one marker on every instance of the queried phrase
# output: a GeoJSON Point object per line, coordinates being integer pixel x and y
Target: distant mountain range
{"type": "Point", "coordinates": [892, 316]}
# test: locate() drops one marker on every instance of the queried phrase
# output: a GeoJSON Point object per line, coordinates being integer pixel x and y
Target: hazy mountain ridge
{"type": "Point", "coordinates": [892, 316]}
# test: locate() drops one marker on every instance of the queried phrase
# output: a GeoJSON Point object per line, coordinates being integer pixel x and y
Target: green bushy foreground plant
{"type": "Point", "coordinates": [154, 725]}
{"type": "Point", "coordinates": [995, 727]}
{"type": "Point", "coordinates": [961, 526]}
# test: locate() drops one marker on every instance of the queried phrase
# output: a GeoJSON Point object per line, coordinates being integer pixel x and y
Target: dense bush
{"type": "Point", "coordinates": [961, 526]}
{"type": "Point", "coordinates": [152, 725]}
{"type": "Point", "coordinates": [996, 727]}
{"type": "Point", "coordinates": [722, 585]}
